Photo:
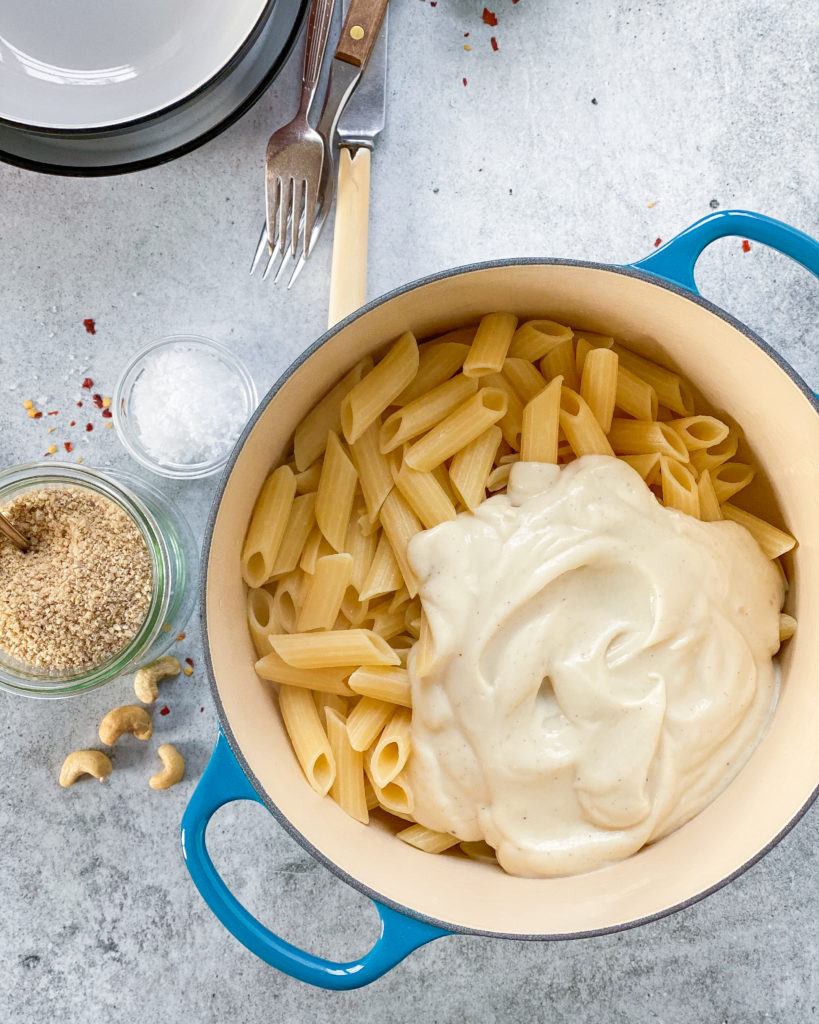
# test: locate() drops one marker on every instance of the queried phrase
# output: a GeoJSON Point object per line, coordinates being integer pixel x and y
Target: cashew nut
{"type": "Point", "coordinates": [173, 768]}
{"type": "Point", "coordinates": [85, 762]}
{"type": "Point", "coordinates": [128, 718]}
{"type": "Point", "coordinates": [146, 680]}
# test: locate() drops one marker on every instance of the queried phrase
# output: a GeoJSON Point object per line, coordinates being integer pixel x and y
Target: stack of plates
{"type": "Point", "coordinates": [89, 88]}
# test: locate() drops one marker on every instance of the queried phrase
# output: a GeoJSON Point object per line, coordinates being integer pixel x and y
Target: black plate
{"type": "Point", "coordinates": [169, 133]}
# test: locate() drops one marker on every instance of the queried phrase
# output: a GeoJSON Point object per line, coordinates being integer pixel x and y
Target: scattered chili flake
{"type": "Point", "coordinates": [201, 709]}
{"type": "Point", "coordinates": [72, 423]}
{"type": "Point", "coordinates": [88, 383]}
{"type": "Point", "coordinates": [187, 670]}
{"type": "Point", "coordinates": [52, 449]}
{"type": "Point", "coordinates": [52, 430]}
{"type": "Point", "coordinates": [467, 47]}
{"type": "Point", "coordinates": [97, 400]}
{"type": "Point", "coordinates": [494, 43]}
{"type": "Point", "coordinates": [106, 401]}
{"type": "Point", "coordinates": [651, 204]}
{"type": "Point", "coordinates": [180, 637]}
{"type": "Point", "coordinates": [746, 245]}
{"type": "Point", "coordinates": [465, 82]}
{"type": "Point", "coordinates": [107, 414]}
{"type": "Point", "coordinates": [69, 447]}
{"type": "Point", "coordinates": [35, 414]}
{"type": "Point", "coordinates": [466, 35]}
{"type": "Point", "coordinates": [515, 1]}
{"type": "Point", "coordinates": [89, 427]}
{"type": "Point", "coordinates": [189, 661]}
{"type": "Point", "coordinates": [90, 325]}
{"type": "Point", "coordinates": [53, 412]}
{"type": "Point", "coordinates": [433, 3]}
{"type": "Point", "coordinates": [28, 404]}
{"type": "Point", "coordinates": [657, 243]}
{"type": "Point", "coordinates": [109, 426]}
{"type": "Point", "coordinates": [80, 460]}
{"type": "Point", "coordinates": [165, 710]}
{"type": "Point", "coordinates": [166, 627]}
{"type": "Point", "coordinates": [489, 17]}
{"type": "Point", "coordinates": [79, 405]}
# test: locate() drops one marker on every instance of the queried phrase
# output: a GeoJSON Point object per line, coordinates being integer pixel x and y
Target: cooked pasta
{"type": "Point", "coordinates": [404, 444]}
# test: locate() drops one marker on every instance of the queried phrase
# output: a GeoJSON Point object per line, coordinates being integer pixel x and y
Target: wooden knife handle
{"type": "Point", "coordinates": [348, 278]}
{"type": "Point", "coordinates": [360, 30]}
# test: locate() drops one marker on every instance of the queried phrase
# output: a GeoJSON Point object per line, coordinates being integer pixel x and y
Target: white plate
{"type": "Point", "coordinates": [85, 64]}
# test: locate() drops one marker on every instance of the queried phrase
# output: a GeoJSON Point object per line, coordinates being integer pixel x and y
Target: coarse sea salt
{"type": "Point", "coordinates": [188, 407]}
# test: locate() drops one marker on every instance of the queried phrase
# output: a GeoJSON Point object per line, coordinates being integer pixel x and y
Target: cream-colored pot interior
{"type": "Point", "coordinates": [734, 377]}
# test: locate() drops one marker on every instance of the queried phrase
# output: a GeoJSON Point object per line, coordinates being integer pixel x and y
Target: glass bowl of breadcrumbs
{"type": "Point", "coordinates": [108, 580]}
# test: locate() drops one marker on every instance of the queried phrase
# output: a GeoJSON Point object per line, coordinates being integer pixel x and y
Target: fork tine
{"type": "Point", "coordinates": [295, 214]}
{"type": "Point", "coordinates": [260, 248]}
{"type": "Point", "coordinates": [318, 223]}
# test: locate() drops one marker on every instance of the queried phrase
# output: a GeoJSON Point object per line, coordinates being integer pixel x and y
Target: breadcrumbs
{"type": "Point", "coordinates": [83, 589]}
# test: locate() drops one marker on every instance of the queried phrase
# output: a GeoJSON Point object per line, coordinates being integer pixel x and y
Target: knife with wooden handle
{"type": "Point", "coordinates": [358, 128]}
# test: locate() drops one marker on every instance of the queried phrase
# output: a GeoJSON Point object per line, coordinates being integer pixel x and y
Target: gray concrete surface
{"type": "Point", "coordinates": [697, 105]}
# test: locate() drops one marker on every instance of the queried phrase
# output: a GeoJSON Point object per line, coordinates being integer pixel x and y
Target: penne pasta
{"type": "Point", "coordinates": [425, 839]}
{"type": "Point", "coordinates": [354, 610]}
{"type": "Point", "coordinates": [714, 456]}
{"type": "Point", "coordinates": [425, 496]}
{"type": "Point", "coordinates": [774, 542]}
{"type": "Point", "coordinates": [647, 465]}
{"type": "Point", "coordinates": [511, 423]}
{"type": "Point", "coordinates": [583, 432]}
{"type": "Point", "coordinates": [424, 412]}
{"type": "Point", "coordinates": [634, 396]}
{"type": "Point", "coordinates": [348, 786]}
{"type": "Point", "coordinates": [324, 680]}
{"type": "Point", "coordinates": [533, 339]}
{"type": "Point", "coordinates": [399, 599]}
{"type": "Point", "coordinates": [336, 490]}
{"type": "Point", "coordinates": [372, 468]}
{"type": "Point", "coordinates": [287, 601]}
{"type": "Point", "coordinates": [299, 524]}
{"type": "Point", "coordinates": [730, 478]}
{"type": "Point", "coordinates": [310, 438]}
{"type": "Point", "coordinates": [525, 378]}
{"type": "Point", "coordinates": [315, 547]}
{"type": "Point", "coordinates": [365, 722]}
{"type": "Point", "coordinates": [267, 526]}
{"type": "Point", "coordinates": [337, 648]}
{"type": "Point", "coordinates": [400, 524]}
{"type": "Point", "coordinates": [699, 432]}
{"type": "Point", "coordinates": [787, 626]}
{"type": "Point", "coordinates": [361, 547]}
{"type": "Point", "coordinates": [384, 576]}
{"type": "Point", "coordinates": [490, 345]}
{"type": "Point", "coordinates": [679, 486]}
{"type": "Point", "coordinates": [391, 685]}
{"type": "Point", "coordinates": [498, 478]}
{"type": "Point", "coordinates": [307, 735]}
{"type": "Point", "coordinates": [461, 426]}
{"type": "Point", "coordinates": [380, 387]}
{"type": "Point", "coordinates": [324, 593]}
{"type": "Point", "coordinates": [560, 362]}
{"type": "Point", "coordinates": [308, 480]}
{"type": "Point", "coordinates": [385, 623]}
{"type": "Point", "coordinates": [329, 700]}
{"type": "Point", "coordinates": [709, 503]}
{"type": "Point", "coordinates": [437, 361]}
{"type": "Point", "coordinates": [391, 752]}
{"type": "Point", "coordinates": [637, 437]}
{"type": "Point", "coordinates": [480, 851]}
{"type": "Point", "coordinates": [541, 424]}
{"type": "Point", "coordinates": [584, 343]}
{"type": "Point", "coordinates": [599, 383]}
{"type": "Point", "coordinates": [261, 619]}
{"type": "Point", "coordinates": [471, 466]}
{"type": "Point", "coordinates": [671, 390]}
{"type": "Point", "coordinates": [396, 797]}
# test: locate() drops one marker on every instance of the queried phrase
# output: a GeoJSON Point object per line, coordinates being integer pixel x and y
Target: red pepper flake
{"type": "Point", "coordinates": [657, 243]}
{"type": "Point", "coordinates": [97, 400]}
{"type": "Point", "coordinates": [89, 427]}
{"type": "Point", "coordinates": [466, 35]}
{"type": "Point", "coordinates": [72, 423]}
{"type": "Point", "coordinates": [515, 1]}
{"type": "Point", "coordinates": [489, 17]}
{"type": "Point", "coordinates": [433, 3]}
{"type": "Point", "coordinates": [494, 43]}
{"type": "Point", "coordinates": [746, 245]}
{"type": "Point", "coordinates": [36, 414]}
{"type": "Point", "coordinates": [165, 710]}
{"type": "Point", "coordinates": [465, 82]}
{"type": "Point", "coordinates": [79, 405]}
{"type": "Point", "coordinates": [53, 412]}
{"type": "Point", "coordinates": [90, 325]}
{"type": "Point", "coordinates": [201, 709]}
{"type": "Point", "coordinates": [88, 383]}
{"type": "Point", "coordinates": [180, 637]}
{"type": "Point", "coordinates": [189, 661]}
{"type": "Point", "coordinates": [107, 414]}
{"type": "Point", "coordinates": [69, 447]}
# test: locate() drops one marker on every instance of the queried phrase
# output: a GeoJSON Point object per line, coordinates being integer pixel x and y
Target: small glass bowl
{"type": "Point", "coordinates": [174, 564]}
{"type": "Point", "coordinates": [123, 413]}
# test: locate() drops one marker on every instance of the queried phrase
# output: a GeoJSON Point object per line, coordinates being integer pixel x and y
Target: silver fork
{"type": "Point", "coordinates": [295, 155]}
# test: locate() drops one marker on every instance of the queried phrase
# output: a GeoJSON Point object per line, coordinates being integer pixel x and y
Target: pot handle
{"type": "Point", "coordinates": [224, 781]}
{"type": "Point", "coordinates": [676, 260]}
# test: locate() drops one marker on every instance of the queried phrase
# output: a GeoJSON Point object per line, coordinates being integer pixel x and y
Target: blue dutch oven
{"type": "Point", "coordinates": [655, 305]}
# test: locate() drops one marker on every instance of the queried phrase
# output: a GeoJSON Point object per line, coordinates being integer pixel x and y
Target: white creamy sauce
{"type": "Point", "coordinates": [601, 667]}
